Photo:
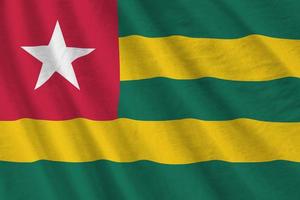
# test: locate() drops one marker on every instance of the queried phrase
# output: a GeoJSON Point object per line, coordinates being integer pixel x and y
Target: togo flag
{"type": "Point", "coordinates": [149, 99]}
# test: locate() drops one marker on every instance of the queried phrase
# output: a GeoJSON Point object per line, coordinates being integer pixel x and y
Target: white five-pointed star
{"type": "Point", "coordinates": [57, 57]}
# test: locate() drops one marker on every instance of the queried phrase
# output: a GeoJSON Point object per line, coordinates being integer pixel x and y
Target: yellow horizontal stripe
{"type": "Point", "coordinates": [170, 142]}
{"type": "Point", "coordinates": [252, 58]}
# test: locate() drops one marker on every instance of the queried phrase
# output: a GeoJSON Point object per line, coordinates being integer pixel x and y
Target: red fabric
{"type": "Point", "coordinates": [85, 24]}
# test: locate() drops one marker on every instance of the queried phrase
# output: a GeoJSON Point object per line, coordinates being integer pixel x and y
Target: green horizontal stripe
{"type": "Point", "coordinates": [145, 180]}
{"type": "Point", "coordinates": [210, 99]}
{"type": "Point", "coordinates": [209, 18]}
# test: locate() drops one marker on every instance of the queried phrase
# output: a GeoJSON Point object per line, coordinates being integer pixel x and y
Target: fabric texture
{"type": "Point", "coordinates": [149, 99]}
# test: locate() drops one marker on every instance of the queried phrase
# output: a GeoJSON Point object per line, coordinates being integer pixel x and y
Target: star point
{"type": "Point", "coordinates": [57, 57]}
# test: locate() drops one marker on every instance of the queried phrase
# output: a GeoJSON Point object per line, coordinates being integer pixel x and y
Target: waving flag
{"type": "Point", "coordinates": [149, 99]}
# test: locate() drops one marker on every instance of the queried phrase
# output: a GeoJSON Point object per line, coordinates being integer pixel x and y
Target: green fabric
{"type": "Point", "coordinates": [145, 180]}
{"type": "Point", "coordinates": [209, 18]}
{"type": "Point", "coordinates": [210, 99]}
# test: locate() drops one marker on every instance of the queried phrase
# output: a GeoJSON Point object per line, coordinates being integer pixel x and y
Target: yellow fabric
{"type": "Point", "coordinates": [171, 142]}
{"type": "Point", "coordinates": [252, 58]}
